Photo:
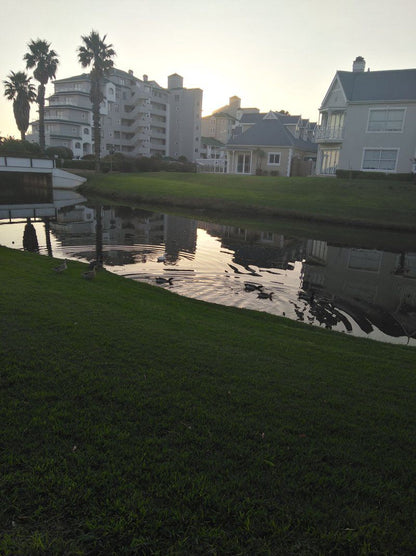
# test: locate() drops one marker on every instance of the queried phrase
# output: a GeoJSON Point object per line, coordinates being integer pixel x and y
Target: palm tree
{"type": "Point", "coordinates": [45, 61]}
{"type": "Point", "coordinates": [19, 89]}
{"type": "Point", "coordinates": [96, 53]}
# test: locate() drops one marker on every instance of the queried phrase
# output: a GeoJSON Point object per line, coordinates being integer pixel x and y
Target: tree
{"type": "Point", "coordinates": [19, 89]}
{"type": "Point", "coordinates": [45, 62]}
{"type": "Point", "coordinates": [97, 54]}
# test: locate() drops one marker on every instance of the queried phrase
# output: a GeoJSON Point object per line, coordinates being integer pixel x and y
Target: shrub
{"type": "Point", "coordinates": [61, 152]}
{"type": "Point", "coordinates": [10, 146]}
{"type": "Point", "coordinates": [79, 164]}
{"type": "Point", "coordinates": [355, 174]}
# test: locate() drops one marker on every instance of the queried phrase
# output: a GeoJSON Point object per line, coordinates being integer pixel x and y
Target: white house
{"type": "Point", "coordinates": [368, 121]}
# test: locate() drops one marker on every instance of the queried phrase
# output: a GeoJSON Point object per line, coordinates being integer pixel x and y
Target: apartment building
{"type": "Point", "coordinates": [185, 119]}
{"type": "Point", "coordinates": [136, 116]}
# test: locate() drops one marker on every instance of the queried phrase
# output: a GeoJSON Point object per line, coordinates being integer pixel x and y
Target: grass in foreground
{"type": "Point", "coordinates": [138, 422]}
{"type": "Point", "coordinates": [374, 203]}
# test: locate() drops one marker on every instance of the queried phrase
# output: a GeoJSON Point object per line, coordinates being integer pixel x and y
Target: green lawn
{"type": "Point", "coordinates": [134, 421]}
{"type": "Point", "coordinates": [379, 203]}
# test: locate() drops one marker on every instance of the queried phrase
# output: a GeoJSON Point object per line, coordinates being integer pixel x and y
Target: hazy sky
{"type": "Point", "coordinates": [273, 54]}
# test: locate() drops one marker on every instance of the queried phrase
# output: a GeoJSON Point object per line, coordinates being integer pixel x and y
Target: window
{"type": "Point", "coordinates": [86, 131]}
{"type": "Point", "coordinates": [388, 119]}
{"type": "Point", "coordinates": [365, 259]}
{"type": "Point", "coordinates": [77, 145]}
{"type": "Point", "coordinates": [380, 159]}
{"type": "Point", "coordinates": [274, 159]}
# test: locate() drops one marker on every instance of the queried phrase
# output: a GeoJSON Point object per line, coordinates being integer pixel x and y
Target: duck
{"type": "Point", "coordinates": [61, 267]}
{"type": "Point", "coordinates": [264, 295]}
{"type": "Point", "coordinates": [161, 259]}
{"type": "Point", "coordinates": [249, 287]}
{"type": "Point", "coordinates": [161, 280]}
{"type": "Point", "coordinates": [90, 274]}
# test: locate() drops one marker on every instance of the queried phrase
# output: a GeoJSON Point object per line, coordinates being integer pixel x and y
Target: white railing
{"type": "Point", "coordinates": [329, 133]}
{"type": "Point", "coordinates": [17, 162]}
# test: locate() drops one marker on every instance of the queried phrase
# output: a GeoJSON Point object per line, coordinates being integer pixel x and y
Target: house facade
{"type": "Point", "coordinates": [368, 121]}
{"type": "Point", "coordinates": [268, 144]}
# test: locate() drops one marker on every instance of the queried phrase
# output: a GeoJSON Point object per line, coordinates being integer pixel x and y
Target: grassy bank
{"type": "Point", "coordinates": [380, 204]}
{"type": "Point", "coordinates": [138, 422]}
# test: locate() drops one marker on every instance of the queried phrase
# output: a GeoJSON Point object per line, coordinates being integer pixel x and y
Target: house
{"type": "Point", "coordinates": [368, 121]}
{"type": "Point", "coordinates": [220, 124]}
{"type": "Point", "coordinates": [270, 144]}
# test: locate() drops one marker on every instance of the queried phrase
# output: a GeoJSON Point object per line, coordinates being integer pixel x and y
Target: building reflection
{"type": "Point", "coordinates": [373, 287]}
{"type": "Point", "coordinates": [127, 234]}
{"type": "Point", "coordinates": [256, 248]}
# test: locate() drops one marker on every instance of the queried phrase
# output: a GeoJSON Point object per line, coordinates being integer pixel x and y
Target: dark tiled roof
{"type": "Point", "coordinates": [254, 118]}
{"type": "Point", "coordinates": [270, 133]}
{"type": "Point", "coordinates": [379, 85]}
{"type": "Point", "coordinates": [211, 141]}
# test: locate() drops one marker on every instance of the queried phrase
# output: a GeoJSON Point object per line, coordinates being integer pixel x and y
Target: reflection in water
{"type": "Point", "coordinates": [363, 292]}
{"type": "Point", "coordinates": [30, 239]}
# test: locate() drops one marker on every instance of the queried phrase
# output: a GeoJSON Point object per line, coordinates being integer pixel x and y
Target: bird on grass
{"type": "Point", "coordinates": [90, 274]}
{"type": "Point", "coordinates": [61, 267]}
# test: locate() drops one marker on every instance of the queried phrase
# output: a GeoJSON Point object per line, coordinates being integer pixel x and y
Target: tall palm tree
{"type": "Point", "coordinates": [97, 54]}
{"type": "Point", "coordinates": [45, 61]}
{"type": "Point", "coordinates": [19, 89]}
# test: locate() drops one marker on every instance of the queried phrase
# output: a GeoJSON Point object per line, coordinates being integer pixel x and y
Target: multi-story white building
{"type": "Point", "coordinates": [136, 117]}
{"type": "Point", "coordinates": [185, 119]}
{"type": "Point", "coordinates": [368, 121]}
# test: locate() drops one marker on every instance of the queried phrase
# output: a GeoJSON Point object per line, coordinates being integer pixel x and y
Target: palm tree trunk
{"type": "Point", "coordinates": [41, 104]}
{"type": "Point", "coordinates": [97, 135]}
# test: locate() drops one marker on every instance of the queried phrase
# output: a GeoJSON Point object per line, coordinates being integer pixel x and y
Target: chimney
{"type": "Point", "coordinates": [358, 64]}
{"type": "Point", "coordinates": [145, 77]}
{"type": "Point", "coordinates": [130, 72]}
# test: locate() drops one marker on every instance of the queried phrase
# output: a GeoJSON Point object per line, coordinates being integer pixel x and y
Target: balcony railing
{"type": "Point", "coordinates": [329, 133]}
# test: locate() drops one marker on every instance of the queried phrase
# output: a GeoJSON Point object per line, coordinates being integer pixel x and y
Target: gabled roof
{"type": "Point", "coordinates": [270, 133]}
{"type": "Point", "coordinates": [211, 141]}
{"type": "Point", "coordinates": [254, 118]}
{"type": "Point", "coordinates": [390, 85]}
{"type": "Point", "coordinates": [82, 77]}
{"type": "Point", "coordinates": [220, 115]}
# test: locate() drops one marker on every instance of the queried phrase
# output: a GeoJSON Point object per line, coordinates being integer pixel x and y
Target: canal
{"type": "Point", "coordinates": [360, 291]}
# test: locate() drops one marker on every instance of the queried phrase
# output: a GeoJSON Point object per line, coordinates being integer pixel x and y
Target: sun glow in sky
{"type": "Point", "coordinates": [273, 54]}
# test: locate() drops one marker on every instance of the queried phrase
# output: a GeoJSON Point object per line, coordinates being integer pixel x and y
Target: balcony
{"type": "Point", "coordinates": [329, 134]}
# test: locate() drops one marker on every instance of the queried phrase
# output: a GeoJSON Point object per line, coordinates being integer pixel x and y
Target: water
{"type": "Point", "coordinates": [361, 292]}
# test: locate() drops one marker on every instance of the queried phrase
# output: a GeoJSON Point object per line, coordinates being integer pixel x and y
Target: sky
{"type": "Point", "coordinates": [273, 54]}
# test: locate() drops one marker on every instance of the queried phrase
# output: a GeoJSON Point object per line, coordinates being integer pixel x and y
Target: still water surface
{"type": "Point", "coordinates": [362, 292]}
